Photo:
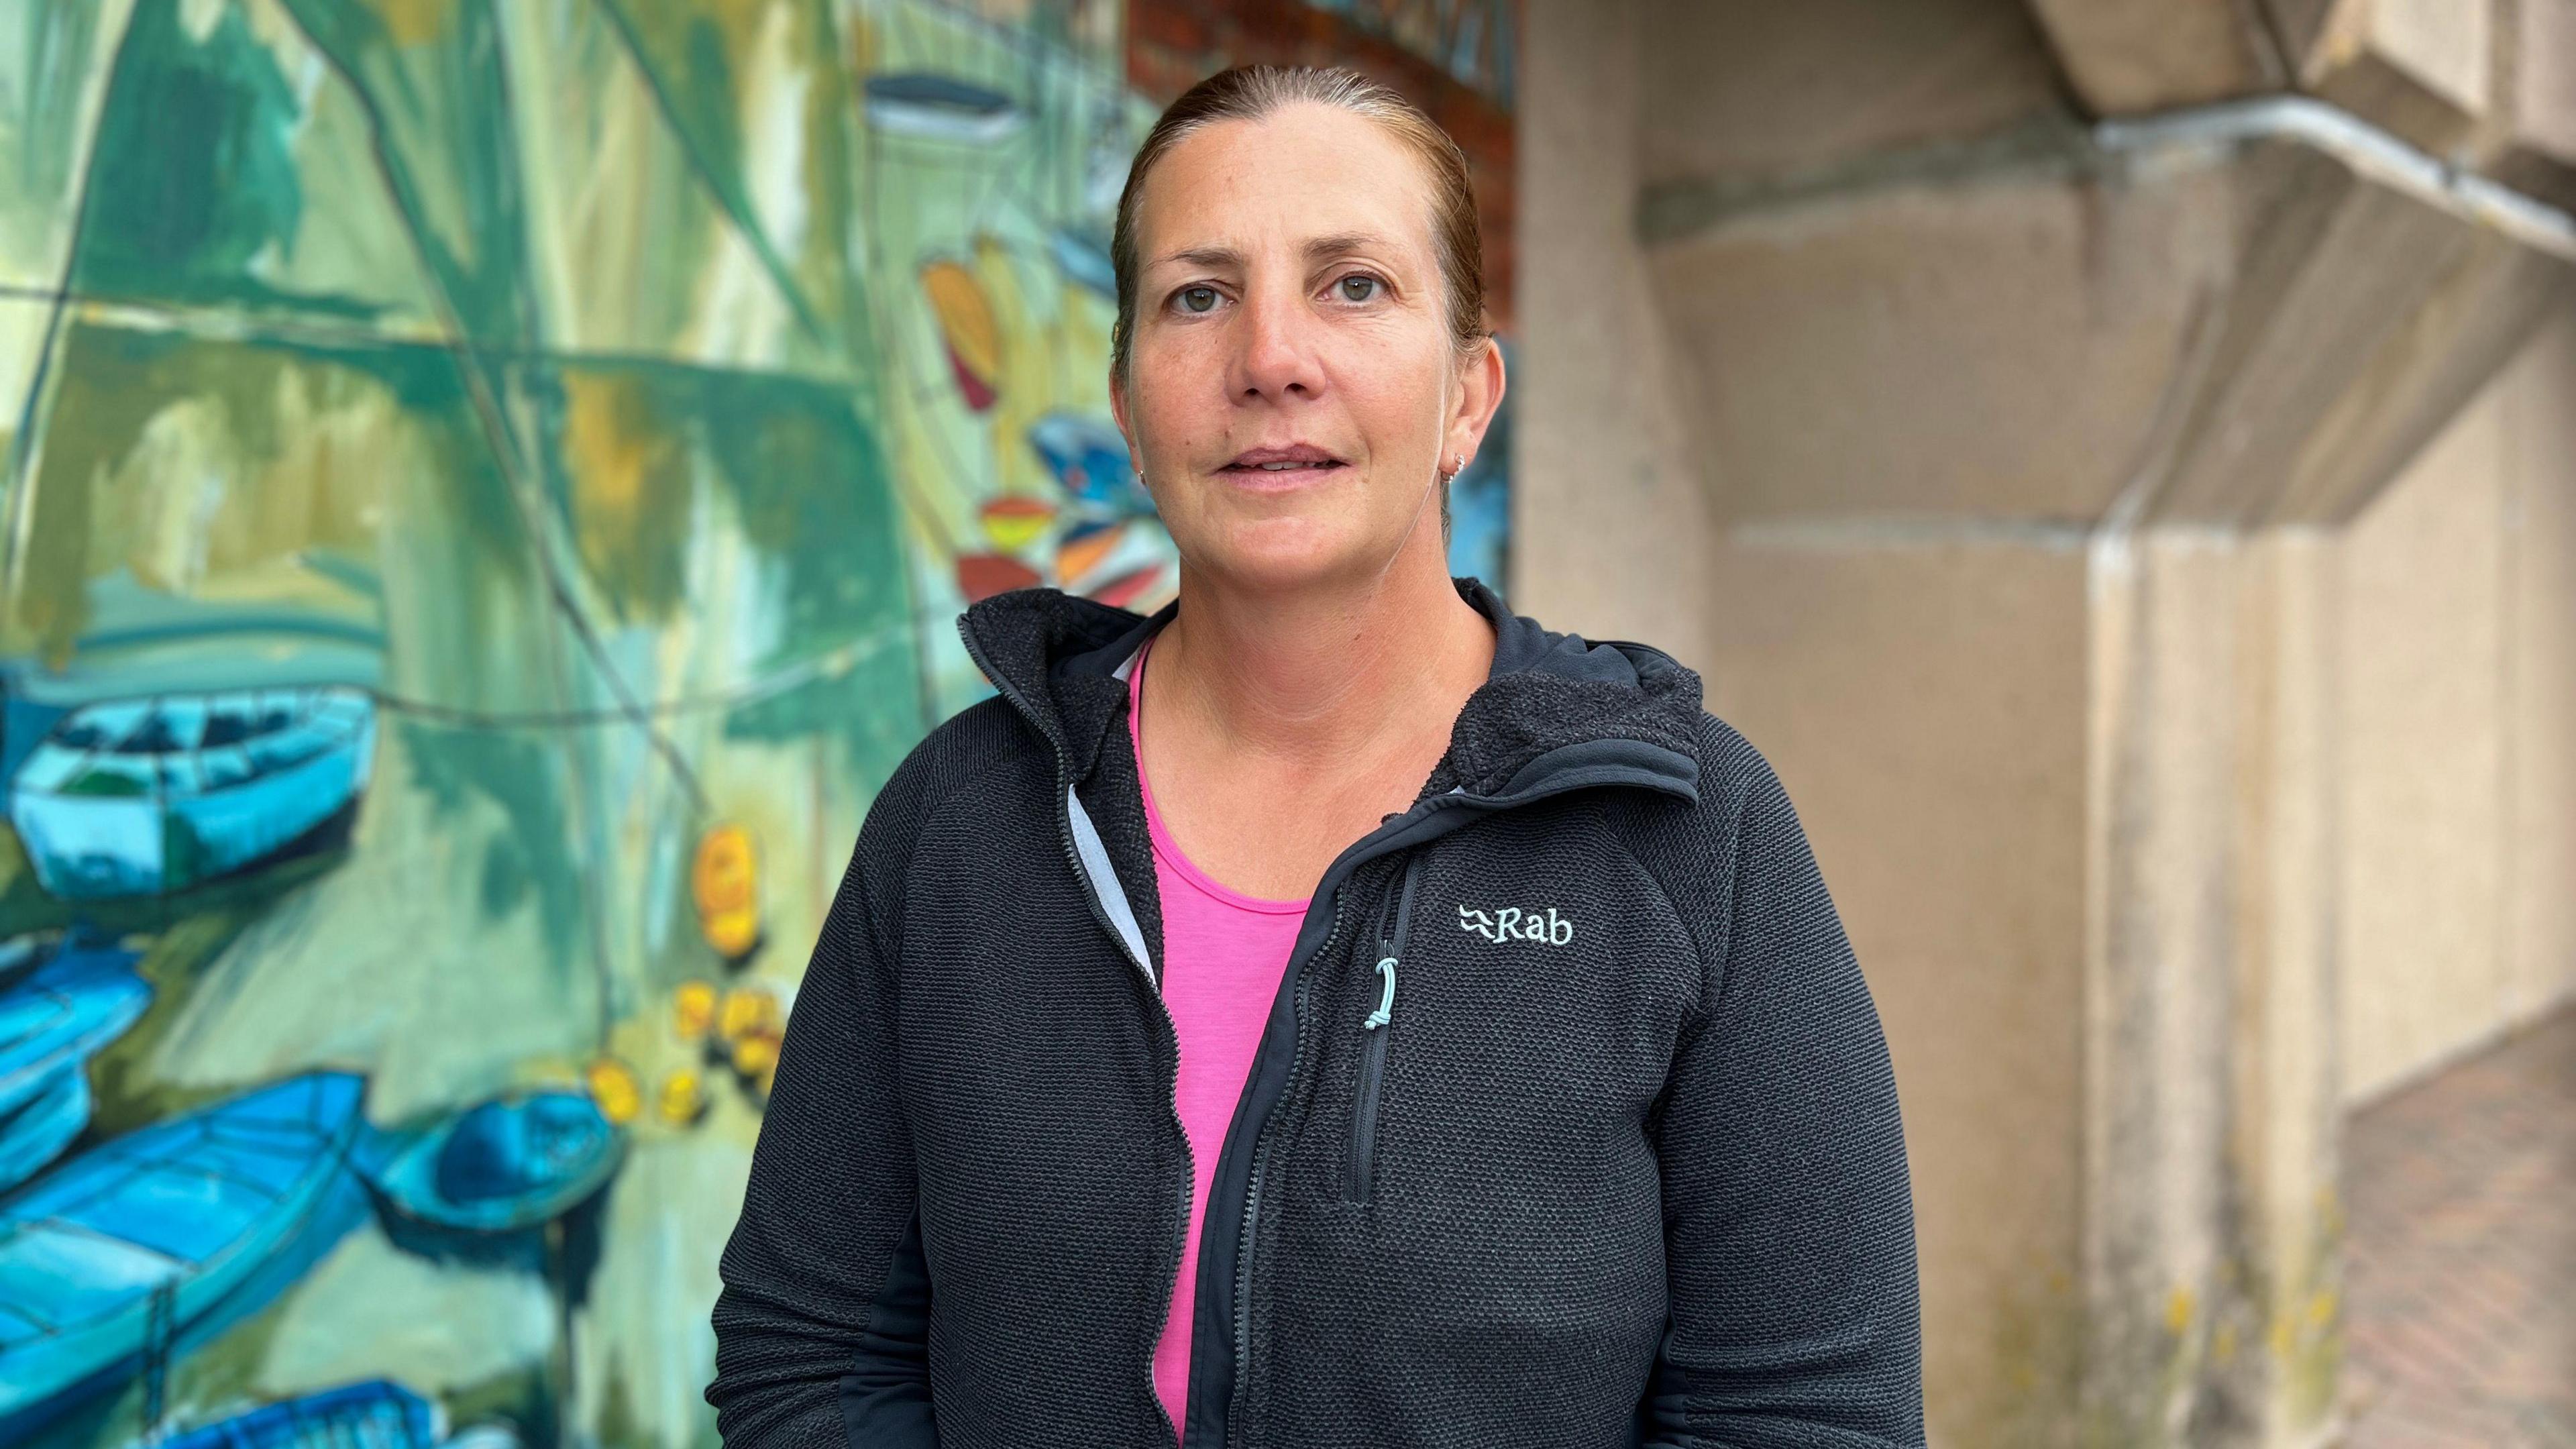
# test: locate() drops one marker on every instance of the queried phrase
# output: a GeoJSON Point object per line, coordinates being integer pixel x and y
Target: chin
{"type": "Point", "coordinates": [1285, 554]}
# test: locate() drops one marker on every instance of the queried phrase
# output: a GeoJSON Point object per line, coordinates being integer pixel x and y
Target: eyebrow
{"type": "Point", "coordinates": [1322, 248]}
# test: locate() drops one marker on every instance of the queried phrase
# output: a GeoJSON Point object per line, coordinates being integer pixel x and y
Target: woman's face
{"type": "Point", "coordinates": [1293, 389]}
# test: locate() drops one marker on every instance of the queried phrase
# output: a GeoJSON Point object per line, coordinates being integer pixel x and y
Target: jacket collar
{"type": "Point", "coordinates": [1615, 712]}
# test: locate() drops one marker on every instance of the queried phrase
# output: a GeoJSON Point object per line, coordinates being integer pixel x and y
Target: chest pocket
{"type": "Point", "coordinates": [1513, 1031]}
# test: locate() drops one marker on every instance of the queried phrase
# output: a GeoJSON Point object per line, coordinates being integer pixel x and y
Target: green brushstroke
{"type": "Point", "coordinates": [442, 113]}
{"type": "Point", "coordinates": [690, 61]}
{"type": "Point", "coordinates": [814, 489]}
{"type": "Point", "coordinates": [526, 863]}
{"type": "Point", "coordinates": [196, 183]}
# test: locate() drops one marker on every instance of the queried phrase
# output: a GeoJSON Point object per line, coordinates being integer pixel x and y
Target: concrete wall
{"type": "Point", "coordinates": [1995, 469]}
{"type": "Point", "coordinates": [1925, 704]}
{"type": "Point", "coordinates": [2459, 721]}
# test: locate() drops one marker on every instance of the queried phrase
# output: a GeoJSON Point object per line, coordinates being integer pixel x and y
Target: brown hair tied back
{"type": "Point", "coordinates": [1249, 92]}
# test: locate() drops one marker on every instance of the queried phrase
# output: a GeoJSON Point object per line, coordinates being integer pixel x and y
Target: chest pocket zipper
{"type": "Point", "coordinates": [1379, 1025]}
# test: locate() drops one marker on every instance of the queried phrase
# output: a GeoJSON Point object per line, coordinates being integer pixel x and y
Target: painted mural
{"type": "Point", "coordinates": [489, 485]}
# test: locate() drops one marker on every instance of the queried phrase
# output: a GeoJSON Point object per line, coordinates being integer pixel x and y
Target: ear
{"type": "Point", "coordinates": [1118, 409]}
{"type": "Point", "coordinates": [1480, 393]}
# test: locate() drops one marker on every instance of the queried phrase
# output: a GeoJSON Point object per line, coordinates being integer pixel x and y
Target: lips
{"type": "Point", "coordinates": [1286, 461]}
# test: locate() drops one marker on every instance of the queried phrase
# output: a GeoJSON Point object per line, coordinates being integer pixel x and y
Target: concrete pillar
{"type": "Point", "coordinates": [2210, 1014]}
{"type": "Point", "coordinates": [1609, 523]}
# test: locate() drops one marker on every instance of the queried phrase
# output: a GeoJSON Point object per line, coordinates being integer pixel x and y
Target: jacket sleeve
{"type": "Point", "coordinates": [1789, 1223]}
{"type": "Point", "coordinates": [821, 1325]}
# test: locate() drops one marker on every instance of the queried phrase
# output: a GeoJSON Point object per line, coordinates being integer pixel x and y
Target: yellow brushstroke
{"type": "Point", "coordinates": [630, 485]}
{"type": "Point", "coordinates": [412, 22]}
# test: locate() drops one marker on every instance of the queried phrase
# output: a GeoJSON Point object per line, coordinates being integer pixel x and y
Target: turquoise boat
{"type": "Point", "coordinates": [500, 1166]}
{"type": "Point", "coordinates": [374, 1414]}
{"type": "Point", "coordinates": [51, 1023]}
{"type": "Point", "coordinates": [141, 797]}
{"type": "Point", "coordinates": [109, 1257]}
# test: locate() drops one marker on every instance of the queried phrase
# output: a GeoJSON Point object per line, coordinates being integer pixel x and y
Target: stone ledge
{"type": "Point", "coordinates": [2242, 314]}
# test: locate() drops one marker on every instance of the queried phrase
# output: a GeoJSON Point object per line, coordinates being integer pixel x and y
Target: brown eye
{"type": "Point", "coordinates": [1358, 287]}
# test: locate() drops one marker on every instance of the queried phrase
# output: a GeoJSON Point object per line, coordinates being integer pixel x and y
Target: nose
{"type": "Point", "coordinates": [1274, 358]}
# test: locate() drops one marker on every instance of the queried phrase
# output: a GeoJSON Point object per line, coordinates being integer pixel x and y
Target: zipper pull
{"type": "Point", "coordinates": [1385, 1003]}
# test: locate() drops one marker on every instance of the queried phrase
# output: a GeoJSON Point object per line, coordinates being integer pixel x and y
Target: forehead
{"type": "Point", "coordinates": [1304, 170]}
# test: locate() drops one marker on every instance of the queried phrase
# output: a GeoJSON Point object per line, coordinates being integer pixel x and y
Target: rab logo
{"type": "Point", "coordinates": [1511, 923]}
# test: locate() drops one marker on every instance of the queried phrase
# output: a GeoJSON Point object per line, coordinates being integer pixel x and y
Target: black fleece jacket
{"type": "Point", "coordinates": [1616, 1162]}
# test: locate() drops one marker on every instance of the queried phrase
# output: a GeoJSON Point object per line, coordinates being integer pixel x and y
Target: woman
{"type": "Point", "coordinates": [1379, 1022]}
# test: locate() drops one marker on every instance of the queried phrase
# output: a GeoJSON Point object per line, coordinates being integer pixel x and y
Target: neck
{"type": "Point", "coordinates": [1316, 673]}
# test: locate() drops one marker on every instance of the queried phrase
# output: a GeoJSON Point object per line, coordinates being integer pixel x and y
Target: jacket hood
{"type": "Point", "coordinates": [1552, 702]}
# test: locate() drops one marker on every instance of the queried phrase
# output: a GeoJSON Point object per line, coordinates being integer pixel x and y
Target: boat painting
{"type": "Point", "coordinates": [106, 1259]}
{"type": "Point", "coordinates": [501, 1166]}
{"type": "Point", "coordinates": [50, 1024]}
{"type": "Point", "coordinates": [143, 797]}
{"type": "Point", "coordinates": [375, 1414]}
{"type": "Point", "coordinates": [459, 460]}
{"type": "Point", "coordinates": [941, 108]}
{"type": "Point", "coordinates": [22, 954]}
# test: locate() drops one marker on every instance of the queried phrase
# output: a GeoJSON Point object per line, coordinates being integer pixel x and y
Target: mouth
{"type": "Point", "coordinates": [1295, 463]}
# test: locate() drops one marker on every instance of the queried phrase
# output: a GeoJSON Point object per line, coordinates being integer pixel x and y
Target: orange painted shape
{"type": "Point", "coordinates": [725, 882]}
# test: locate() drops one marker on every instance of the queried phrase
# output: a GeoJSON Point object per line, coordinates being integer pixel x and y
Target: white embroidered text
{"type": "Point", "coordinates": [1511, 923]}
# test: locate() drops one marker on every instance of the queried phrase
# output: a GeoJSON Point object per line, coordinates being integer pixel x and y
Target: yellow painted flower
{"type": "Point", "coordinates": [756, 1054]}
{"type": "Point", "coordinates": [693, 1009]}
{"type": "Point", "coordinates": [613, 1086]}
{"type": "Point", "coordinates": [748, 1011]}
{"type": "Point", "coordinates": [725, 881]}
{"type": "Point", "coordinates": [683, 1097]}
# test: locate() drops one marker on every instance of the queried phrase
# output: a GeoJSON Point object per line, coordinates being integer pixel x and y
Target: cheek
{"type": "Point", "coordinates": [1396, 395]}
{"type": "Point", "coordinates": [1173, 403]}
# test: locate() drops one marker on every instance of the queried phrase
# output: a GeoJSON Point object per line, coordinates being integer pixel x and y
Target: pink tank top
{"type": "Point", "coordinates": [1223, 955]}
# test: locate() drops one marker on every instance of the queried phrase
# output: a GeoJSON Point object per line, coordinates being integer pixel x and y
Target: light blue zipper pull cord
{"type": "Point", "coordinates": [1386, 964]}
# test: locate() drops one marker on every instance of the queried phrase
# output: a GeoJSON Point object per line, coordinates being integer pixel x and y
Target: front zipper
{"type": "Point", "coordinates": [1252, 1186]}
{"type": "Point", "coordinates": [1380, 1026]}
{"type": "Point", "coordinates": [1177, 1243]}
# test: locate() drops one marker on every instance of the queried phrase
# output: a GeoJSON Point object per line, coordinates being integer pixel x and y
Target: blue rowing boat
{"type": "Point", "coordinates": [500, 1166]}
{"type": "Point", "coordinates": [107, 1258]}
{"type": "Point", "coordinates": [374, 1414]}
{"type": "Point", "coordinates": [51, 1023]}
